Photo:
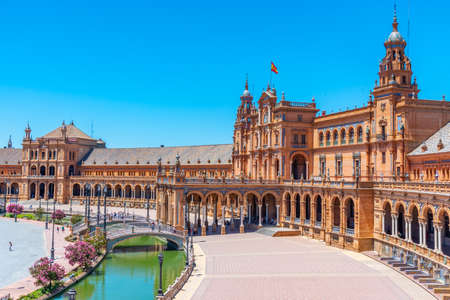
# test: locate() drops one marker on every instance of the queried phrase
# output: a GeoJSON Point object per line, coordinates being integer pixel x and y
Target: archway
{"type": "Point", "coordinates": [350, 214]}
{"type": "Point", "coordinates": [415, 231]}
{"type": "Point", "coordinates": [429, 228]}
{"type": "Point", "coordinates": [76, 190]}
{"type": "Point", "coordinates": [297, 207]}
{"type": "Point", "coordinates": [97, 190]}
{"type": "Point", "coordinates": [336, 209]}
{"type": "Point", "coordinates": [127, 191]}
{"type": "Point", "coordinates": [118, 191]}
{"type": "Point", "coordinates": [401, 221]}
{"type": "Point", "coordinates": [14, 189]}
{"type": "Point", "coordinates": [269, 212]}
{"type": "Point", "coordinates": [33, 191]}
{"type": "Point", "coordinates": [33, 171]}
{"type": "Point", "coordinates": [298, 167]}
{"type": "Point", "coordinates": [287, 205]}
{"type": "Point", "coordinates": [108, 190]}
{"type": "Point", "coordinates": [307, 209]}
{"type": "Point", "coordinates": [41, 190]}
{"type": "Point", "coordinates": [319, 211]}
{"type": "Point", "coordinates": [137, 192]}
{"type": "Point", "coordinates": [387, 218]}
{"type": "Point", "coordinates": [51, 190]}
{"type": "Point", "coordinates": [252, 201]}
{"type": "Point", "coordinates": [445, 233]}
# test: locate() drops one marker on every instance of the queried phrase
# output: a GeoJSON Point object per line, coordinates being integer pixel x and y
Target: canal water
{"type": "Point", "coordinates": [131, 273]}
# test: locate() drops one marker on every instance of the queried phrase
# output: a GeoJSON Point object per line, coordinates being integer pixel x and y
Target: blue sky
{"type": "Point", "coordinates": [146, 73]}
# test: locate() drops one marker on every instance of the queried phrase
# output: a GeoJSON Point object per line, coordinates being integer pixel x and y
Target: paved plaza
{"type": "Point", "coordinates": [31, 241]}
{"type": "Point", "coordinates": [255, 266]}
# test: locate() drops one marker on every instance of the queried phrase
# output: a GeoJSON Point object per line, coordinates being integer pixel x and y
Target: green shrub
{"type": "Point", "coordinates": [75, 219]}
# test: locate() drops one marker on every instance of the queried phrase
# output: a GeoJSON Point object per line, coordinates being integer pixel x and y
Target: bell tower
{"type": "Point", "coordinates": [395, 68]}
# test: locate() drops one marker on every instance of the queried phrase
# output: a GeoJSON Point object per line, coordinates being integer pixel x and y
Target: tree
{"type": "Point", "coordinates": [81, 253]}
{"type": "Point", "coordinates": [58, 215]}
{"type": "Point", "coordinates": [14, 208]}
{"type": "Point", "coordinates": [45, 272]}
{"type": "Point", "coordinates": [38, 213]}
{"type": "Point", "coordinates": [98, 241]}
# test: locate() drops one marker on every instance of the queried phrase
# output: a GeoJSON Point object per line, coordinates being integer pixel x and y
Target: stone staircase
{"type": "Point", "coordinates": [433, 278]}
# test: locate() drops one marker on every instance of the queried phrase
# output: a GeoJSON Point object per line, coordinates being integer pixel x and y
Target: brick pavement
{"type": "Point", "coordinates": [254, 266]}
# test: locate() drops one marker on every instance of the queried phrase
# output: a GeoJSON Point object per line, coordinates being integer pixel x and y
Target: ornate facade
{"type": "Point", "coordinates": [372, 177]}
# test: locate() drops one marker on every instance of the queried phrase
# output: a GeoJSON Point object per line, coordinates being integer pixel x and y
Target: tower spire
{"type": "Point", "coordinates": [9, 142]}
{"type": "Point", "coordinates": [395, 23]}
{"type": "Point", "coordinates": [246, 81]}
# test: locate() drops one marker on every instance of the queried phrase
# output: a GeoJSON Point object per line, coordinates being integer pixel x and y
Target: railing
{"type": "Point", "coordinates": [306, 222]}
{"type": "Point", "coordinates": [350, 231]}
{"type": "Point", "coordinates": [437, 187]}
{"type": "Point", "coordinates": [336, 229]}
{"type": "Point", "coordinates": [318, 224]}
{"type": "Point", "coordinates": [295, 104]}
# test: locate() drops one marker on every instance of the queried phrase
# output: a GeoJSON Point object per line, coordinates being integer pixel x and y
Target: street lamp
{"type": "Point", "coordinates": [99, 193]}
{"type": "Point", "coordinates": [88, 207]}
{"type": "Point", "coordinates": [105, 192]}
{"type": "Point", "coordinates": [148, 202]}
{"type": "Point", "coordinates": [46, 217]}
{"type": "Point", "coordinates": [161, 258]}
{"type": "Point", "coordinates": [124, 210]}
{"type": "Point", "coordinates": [72, 293]}
{"type": "Point", "coordinates": [186, 212]}
{"type": "Point", "coordinates": [52, 251]}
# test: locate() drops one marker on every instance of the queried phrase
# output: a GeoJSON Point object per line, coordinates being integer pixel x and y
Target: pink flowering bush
{"type": "Point", "coordinates": [81, 253]}
{"type": "Point", "coordinates": [14, 208]}
{"type": "Point", "coordinates": [58, 215]}
{"type": "Point", "coordinates": [45, 272]}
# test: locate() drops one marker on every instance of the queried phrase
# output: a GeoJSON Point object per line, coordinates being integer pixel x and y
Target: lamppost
{"type": "Point", "coordinates": [99, 193]}
{"type": "Point", "coordinates": [105, 192]}
{"type": "Point", "coordinates": [72, 293]}
{"type": "Point", "coordinates": [124, 210]}
{"type": "Point", "coordinates": [148, 202]}
{"type": "Point", "coordinates": [88, 207]}
{"type": "Point", "coordinates": [186, 212]}
{"type": "Point", "coordinates": [46, 217]}
{"type": "Point", "coordinates": [52, 251]}
{"type": "Point", "coordinates": [161, 258]}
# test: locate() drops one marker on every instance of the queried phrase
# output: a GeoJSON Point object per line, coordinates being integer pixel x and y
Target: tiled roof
{"type": "Point", "coordinates": [10, 156]}
{"type": "Point", "coordinates": [439, 142]}
{"type": "Point", "coordinates": [194, 155]}
{"type": "Point", "coordinates": [72, 132]}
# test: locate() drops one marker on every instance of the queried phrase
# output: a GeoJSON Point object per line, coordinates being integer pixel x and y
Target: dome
{"type": "Point", "coordinates": [246, 93]}
{"type": "Point", "coordinates": [395, 36]}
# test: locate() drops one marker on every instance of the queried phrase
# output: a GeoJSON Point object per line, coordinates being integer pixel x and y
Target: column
{"type": "Point", "coordinates": [393, 225]}
{"type": "Point", "coordinates": [307, 170]}
{"type": "Point", "coordinates": [383, 215]}
{"type": "Point", "coordinates": [435, 233]}
{"type": "Point", "coordinates": [408, 230]}
{"type": "Point", "coordinates": [241, 228]}
{"type": "Point", "coordinates": [267, 214]}
{"type": "Point", "coordinates": [215, 217]}
{"type": "Point", "coordinates": [439, 238]}
{"type": "Point", "coordinates": [259, 215]}
{"type": "Point", "coordinates": [222, 229]}
{"type": "Point", "coordinates": [420, 234]}
{"type": "Point", "coordinates": [278, 215]}
{"type": "Point", "coordinates": [232, 215]}
{"type": "Point", "coordinates": [204, 220]}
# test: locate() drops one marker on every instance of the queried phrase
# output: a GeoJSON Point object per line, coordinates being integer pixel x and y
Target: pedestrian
{"type": "Point", "coordinates": [62, 228]}
{"type": "Point", "coordinates": [57, 229]}
{"type": "Point", "coordinates": [10, 246]}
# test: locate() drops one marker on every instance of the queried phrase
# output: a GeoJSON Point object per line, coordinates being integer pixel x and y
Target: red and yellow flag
{"type": "Point", "coordinates": [273, 68]}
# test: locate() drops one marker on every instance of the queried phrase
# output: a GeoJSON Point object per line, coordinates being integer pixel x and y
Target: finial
{"type": "Point", "coordinates": [282, 96]}
{"type": "Point", "coordinates": [313, 99]}
{"type": "Point", "coordinates": [9, 142]}
{"type": "Point", "coordinates": [268, 86]}
{"type": "Point", "coordinates": [63, 123]}
{"type": "Point", "coordinates": [28, 125]}
{"type": "Point", "coordinates": [71, 123]}
{"type": "Point", "coordinates": [394, 23]}
{"type": "Point", "coordinates": [443, 99]}
{"type": "Point", "coordinates": [246, 81]}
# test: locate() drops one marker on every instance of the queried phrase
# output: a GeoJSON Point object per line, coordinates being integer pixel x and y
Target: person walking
{"type": "Point", "coordinates": [10, 246]}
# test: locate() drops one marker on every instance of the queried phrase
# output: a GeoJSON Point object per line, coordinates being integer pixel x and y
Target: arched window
{"type": "Point", "coordinates": [42, 171]}
{"type": "Point", "coordinates": [335, 137]}
{"type": "Point", "coordinates": [328, 136]}
{"type": "Point", "coordinates": [351, 135]}
{"type": "Point", "coordinates": [342, 136]}
{"type": "Point", "coordinates": [76, 190]}
{"type": "Point", "coordinates": [51, 171]}
{"type": "Point", "coordinates": [360, 134]}
{"type": "Point", "coordinates": [321, 139]}
{"type": "Point", "coordinates": [71, 170]}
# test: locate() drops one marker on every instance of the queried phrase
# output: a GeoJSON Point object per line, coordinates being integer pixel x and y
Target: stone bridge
{"type": "Point", "coordinates": [175, 239]}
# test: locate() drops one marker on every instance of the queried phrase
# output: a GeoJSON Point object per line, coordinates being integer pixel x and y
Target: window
{"type": "Point", "coordinates": [295, 139]}
{"type": "Point", "coordinates": [321, 139]}
{"type": "Point", "coordinates": [303, 139]}
{"type": "Point", "coordinates": [383, 157]}
{"type": "Point", "coordinates": [299, 118]}
{"type": "Point", "coordinates": [323, 165]}
{"type": "Point", "coordinates": [342, 136]}
{"type": "Point", "coordinates": [383, 132]}
{"type": "Point", "coordinates": [360, 134]}
{"type": "Point", "coordinates": [351, 134]}
{"type": "Point", "coordinates": [335, 137]}
{"type": "Point", "coordinates": [339, 167]}
{"type": "Point", "coordinates": [328, 138]}
{"type": "Point", "coordinates": [43, 155]}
